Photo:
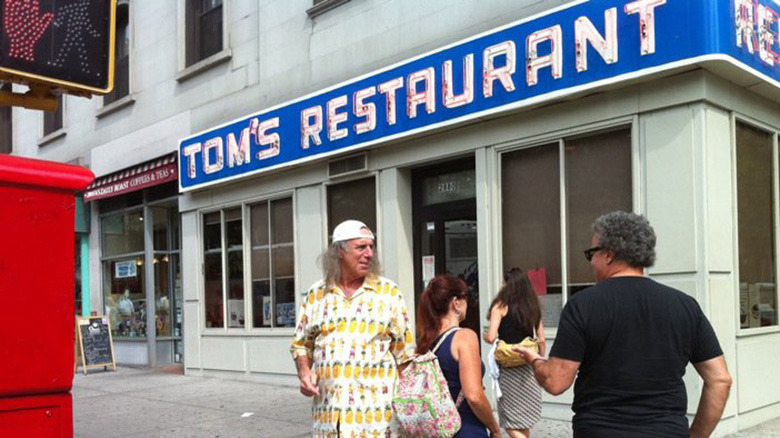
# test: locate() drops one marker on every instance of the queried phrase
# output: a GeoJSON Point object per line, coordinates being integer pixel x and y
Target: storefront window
{"type": "Point", "coordinates": [235, 267]}
{"type": "Point", "coordinates": [756, 203]}
{"type": "Point", "coordinates": [143, 304]}
{"type": "Point", "coordinates": [125, 297]}
{"type": "Point", "coordinates": [273, 268]}
{"type": "Point", "coordinates": [533, 193]}
{"type": "Point", "coordinates": [167, 298]}
{"type": "Point", "coordinates": [212, 260]}
{"type": "Point", "coordinates": [532, 227]}
{"type": "Point", "coordinates": [352, 200]}
{"type": "Point", "coordinates": [272, 262]}
{"type": "Point", "coordinates": [122, 233]}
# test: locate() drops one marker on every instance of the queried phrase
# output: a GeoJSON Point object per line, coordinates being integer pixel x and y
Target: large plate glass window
{"type": "Point", "coordinates": [270, 243]}
{"type": "Point", "coordinates": [757, 198]}
{"type": "Point", "coordinates": [122, 240]}
{"type": "Point", "coordinates": [212, 269]}
{"type": "Point", "coordinates": [273, 264]}
{"type": "Point", "coordinates": [537, 184]}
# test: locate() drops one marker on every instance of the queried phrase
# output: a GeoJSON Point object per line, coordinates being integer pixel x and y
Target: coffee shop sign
{"type": "Point", "coordinates": [582, 45]}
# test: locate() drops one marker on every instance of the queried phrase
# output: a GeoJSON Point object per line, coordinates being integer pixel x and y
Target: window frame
{"type": "Point", "coordinates": [558, 137]}
{"type": "Point", "coordinates": [347, 179]}
{"type": "Point", "coordinates": [320, 7]}
{"type": "Point", "coordinates": [45, 138]}
{"type": "Point", "coordinates": [188, 71]}
{"type": "Point", "coordinates": [142, 208]}
{"type": "Point", "coordinates": [774, 132]}
{"type": "Point", "coordinates": [106, 108]}
{"type": "Point", "coordinates": [245, 206]}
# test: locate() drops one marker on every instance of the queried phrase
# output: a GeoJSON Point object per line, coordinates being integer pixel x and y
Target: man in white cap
{"type": "Point", "coordinates": [352, 335]}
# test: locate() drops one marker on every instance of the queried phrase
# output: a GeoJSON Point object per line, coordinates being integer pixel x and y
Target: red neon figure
{"type": "Point", "coordinates": [24, 26]}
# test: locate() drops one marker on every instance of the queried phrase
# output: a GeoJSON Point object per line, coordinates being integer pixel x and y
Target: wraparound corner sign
{"type": "Point", "coordinates": [578, 46]}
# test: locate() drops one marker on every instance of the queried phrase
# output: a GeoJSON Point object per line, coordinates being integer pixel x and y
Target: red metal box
{"type": "Point", "coordinates": [37, 202]}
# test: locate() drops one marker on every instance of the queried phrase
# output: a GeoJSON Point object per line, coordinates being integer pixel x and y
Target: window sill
{"type": "Point", "coordinates": [255, 333]}
{"type": "Point", "coordinates": [203, 65]}
{"type": "Point", "coordinates": [115, 106]}
{"type": "Point", "coordinates": [128, 339]}
{"type": "Point", "coordinates": [323, 7]}
{"type": "Point", "coordinates": [43, 141]}
{"type": "Point", "coordinates": [757, 331]}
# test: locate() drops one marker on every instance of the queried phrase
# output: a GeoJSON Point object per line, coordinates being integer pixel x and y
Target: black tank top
{"type": "Point", "coordinates": [510, 331]}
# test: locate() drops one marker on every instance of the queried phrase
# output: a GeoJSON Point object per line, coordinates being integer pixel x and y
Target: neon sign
{"type": "Point", "coordinates": [569, 49]}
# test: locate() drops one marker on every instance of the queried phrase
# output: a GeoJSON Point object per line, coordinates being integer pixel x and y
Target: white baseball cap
{"type": "Point", "coordinates": [351, 229]}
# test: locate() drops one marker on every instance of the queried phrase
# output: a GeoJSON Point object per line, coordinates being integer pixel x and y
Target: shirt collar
{"type": "Point", "coordinates": [370, 283]}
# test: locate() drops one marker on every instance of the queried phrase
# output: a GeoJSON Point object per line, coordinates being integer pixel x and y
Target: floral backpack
{"type": "Point", "coordinates": [422, 402]}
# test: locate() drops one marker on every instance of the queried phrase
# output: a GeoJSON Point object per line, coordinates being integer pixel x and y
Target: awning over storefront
{"type": "Point", "coordinates": [150, 173]}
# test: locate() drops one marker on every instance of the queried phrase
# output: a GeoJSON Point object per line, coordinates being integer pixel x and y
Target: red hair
{"type": "Point", "coordinates": [434, 304]}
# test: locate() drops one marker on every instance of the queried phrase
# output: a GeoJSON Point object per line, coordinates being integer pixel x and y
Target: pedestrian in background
{"type": "Point", "coordinates": [443, 306]}
{"type": "Point", "coordinates": [631, 338]}
{"type": "Point", "coordinates": [515, 315]}
{"type": "Point", "coordinates": [352, 335]}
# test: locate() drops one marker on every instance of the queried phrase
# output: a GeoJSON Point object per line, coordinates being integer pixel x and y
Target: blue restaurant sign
{"type": "Point", "coordinates": [579, 46]}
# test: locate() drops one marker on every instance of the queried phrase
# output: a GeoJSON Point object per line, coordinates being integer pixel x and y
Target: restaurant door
{"type": "Point", "coordinates": [445, 229]}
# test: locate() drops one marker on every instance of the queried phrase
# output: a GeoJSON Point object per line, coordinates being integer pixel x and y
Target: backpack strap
{"type": "Point", "coordinates": [443, 338]}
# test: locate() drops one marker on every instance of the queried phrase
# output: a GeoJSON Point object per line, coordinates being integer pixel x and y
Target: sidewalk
{"type": "Point", "coordinates": [147, 403]}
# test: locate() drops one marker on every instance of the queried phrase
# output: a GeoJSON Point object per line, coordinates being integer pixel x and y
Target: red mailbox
{"type": "Point", "coordinates": [37, 204]}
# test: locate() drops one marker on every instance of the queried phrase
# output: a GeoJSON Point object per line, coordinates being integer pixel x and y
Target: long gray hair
{"type": "Point", "coordinates": [330, 262]}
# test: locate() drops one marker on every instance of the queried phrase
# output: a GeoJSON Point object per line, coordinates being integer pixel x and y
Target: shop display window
{"type": "Point", "coordinates": [212, 269]}
{"type": "Point", "coordinates": [757, 198]}
{"type": "Point", "coordinates": [536, 184]}
{"type": "Point", "coordinates": [122, 233]}
{"type": "Point", "coordinates": [125, 300]}
{"type": "Point", "coordinates": [168, 297]}
{"type": "Point", "coordinates": [269, 230]}
{"type": "Point", "coordinates": [123, 259]}
{"type": "Point", "coordinates": [273, 264]}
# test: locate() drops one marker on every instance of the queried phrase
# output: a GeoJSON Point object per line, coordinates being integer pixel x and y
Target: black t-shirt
{"type": "Point", "coordinates": [634, 338]}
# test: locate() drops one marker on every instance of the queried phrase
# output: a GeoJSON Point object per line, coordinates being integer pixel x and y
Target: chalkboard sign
{"type": "Point", "coordinates": [97, 348]}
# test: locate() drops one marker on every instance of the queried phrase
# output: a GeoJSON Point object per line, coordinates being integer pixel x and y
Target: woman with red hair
{"type": "Point", "coordinates": [442, 307]}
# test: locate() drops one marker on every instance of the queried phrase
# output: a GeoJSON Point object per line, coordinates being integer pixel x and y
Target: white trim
{"type": "Point", "coordinates": [115, 106]}
{"type": "Point", "coordinates": [204, 64]}
{"type": "Point", "coordinates": [56, 135]}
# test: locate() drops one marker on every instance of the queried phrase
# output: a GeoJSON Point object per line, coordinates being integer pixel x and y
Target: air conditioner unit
{"type": "Point", "coordinates": [348, 165]}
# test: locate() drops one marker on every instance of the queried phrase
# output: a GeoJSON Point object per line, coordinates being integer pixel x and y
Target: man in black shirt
{"type": "Point", "coordinates": [631, 338]}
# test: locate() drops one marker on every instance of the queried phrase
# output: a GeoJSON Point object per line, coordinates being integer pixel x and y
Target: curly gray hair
{"type": "Point", "coordinates": [630, 236]}
{"type": "Point", "coordinates": [330, 262]}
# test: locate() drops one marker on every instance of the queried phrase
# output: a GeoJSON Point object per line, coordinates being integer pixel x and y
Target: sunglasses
{"type": "Point", "coordinates": [590, 251]}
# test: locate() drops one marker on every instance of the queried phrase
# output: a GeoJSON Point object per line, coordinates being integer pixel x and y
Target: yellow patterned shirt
{"type": "Point", "coordinates": [355, 345]}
